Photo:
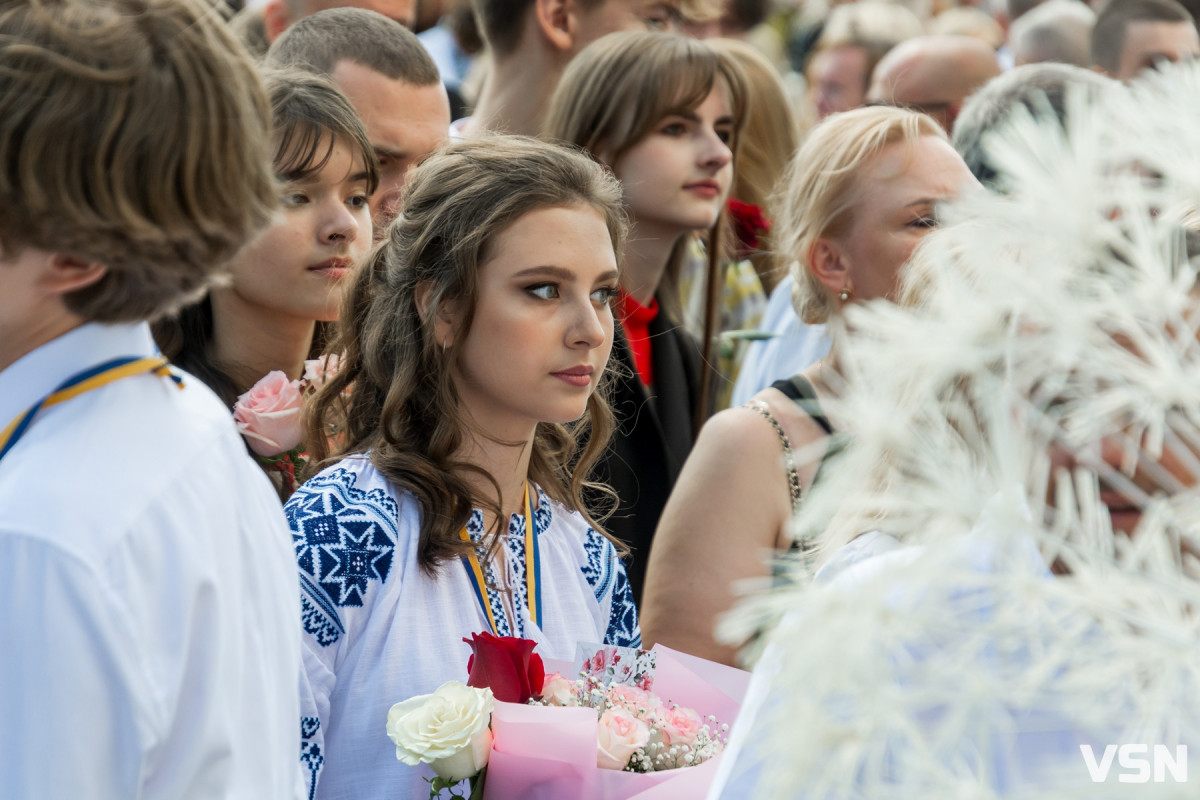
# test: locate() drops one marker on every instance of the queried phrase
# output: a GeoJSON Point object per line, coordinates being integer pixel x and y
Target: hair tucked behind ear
{"type": "Point", "coordinates": [393, 397]}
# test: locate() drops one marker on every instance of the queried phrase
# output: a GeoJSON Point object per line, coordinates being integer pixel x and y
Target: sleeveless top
{"type": "Point", "coordinates": [799, 391]}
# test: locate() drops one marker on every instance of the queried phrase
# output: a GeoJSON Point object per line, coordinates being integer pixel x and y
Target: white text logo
{"type": "Point", "coordinates": [1135, 763]}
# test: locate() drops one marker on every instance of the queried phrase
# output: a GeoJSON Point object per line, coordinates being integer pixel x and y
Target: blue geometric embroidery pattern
{"type": "Point", "coordinates": [514, 546]}
{"type": "Point", "coordinates": [475, 531]}
{"type": "Point", "coordinates": [623, 629]}
{"type": "Point", "coordinates": [344, 538]}
{"type": "Point", "coordinates": [310, 752]}
{"type": "Point", "coordinates": [601, 558]}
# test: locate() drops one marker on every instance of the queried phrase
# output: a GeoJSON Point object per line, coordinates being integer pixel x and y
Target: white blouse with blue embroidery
{"type": "Point", "coordinates": [378, 630]}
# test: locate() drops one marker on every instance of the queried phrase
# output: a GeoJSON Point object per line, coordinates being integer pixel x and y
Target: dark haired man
{"type": "Point", "coordinates": [1133, 35]}
{"type": "Point", "coordinates": [390, 79]}
{"type": "Point", "coordinates": [532, 42]}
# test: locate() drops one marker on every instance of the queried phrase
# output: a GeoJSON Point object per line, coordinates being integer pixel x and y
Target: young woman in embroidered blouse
{"type": "Point", "coordinates": [860, 194]}
{"type": "Point", "coordinates": [286, 285]}
{"type": "Point", "coordinates": [662, 111]}
{"type": "Point", "coordinates": [474, 341]}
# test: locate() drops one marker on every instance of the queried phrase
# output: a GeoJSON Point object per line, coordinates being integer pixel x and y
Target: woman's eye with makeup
{"type": "Point", "coordinates": [725, 135]}
{"type": "Point", "coordinates": [604, 295]}
{"type": "Point", "coordinates": [543, 291]}
{"type": "Point", "coordinates": [294, 198]}
{"type": "Point", "coordinates": [673, 129]}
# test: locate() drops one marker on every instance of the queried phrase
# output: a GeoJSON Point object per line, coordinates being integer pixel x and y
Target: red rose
{"type": "Point", "coordinates": [748, 222]}
{"type": "Point", "coordinates": [506, 665]}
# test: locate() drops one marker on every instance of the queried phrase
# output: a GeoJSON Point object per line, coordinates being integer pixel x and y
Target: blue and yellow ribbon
{"type": "Point", "coordinates": [80, 383]}
{"type": "Point", "coordinates": [533, 566]}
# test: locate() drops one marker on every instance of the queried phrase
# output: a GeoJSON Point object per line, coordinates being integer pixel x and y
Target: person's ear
{"type": "Point", "coordinates": [828, 266]}
{"type": "Point", "coordinates": [65, 274]}
{"type": "Point", "coordinates": [557, 21]}
{"type": "Point", "coordinates": [444, 318]}
{"type": "Point", "coordinates": [276, 19]}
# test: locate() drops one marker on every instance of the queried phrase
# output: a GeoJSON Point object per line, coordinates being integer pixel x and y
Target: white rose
{"type": "Point", "coordinates": [448, 730]}
{"type": "Point", "coordinates": [619, 734]}
{"type": "Point", "coordinates": [558, 691]}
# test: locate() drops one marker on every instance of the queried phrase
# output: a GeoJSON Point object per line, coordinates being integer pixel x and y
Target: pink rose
{"type": "Point", "coordinates": [319, 370]}
{"type": "Point", "coordinates": [558, 691]}
{"type": "Point", "coordinates": [619, 735]}
{"type": "Point", "coordinates": [269, 415]}
{"type": "Point", "coordinates": [632, 699]}
{"type": "Point", "coordinates": [679, 725]}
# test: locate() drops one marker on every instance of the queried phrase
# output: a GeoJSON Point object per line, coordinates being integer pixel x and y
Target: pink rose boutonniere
{"type": "Point", "coordinates": [271, 418]}
{"type": "Point", "coordinates": [269, 415]}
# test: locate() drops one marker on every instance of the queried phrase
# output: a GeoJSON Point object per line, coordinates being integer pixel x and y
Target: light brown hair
{"type": "Point", "coordinates": [133, 133]}
{"type": "Point", "coordinates": [769, 140]}
{"type": "Point", "coordinates": [821, 188]}
{"type": "Point", "coordinates": [319, 41]}
{"type": "Point", "coordinates": [394, 396]}
{"type": "Point", "coordinates": [619, 87]}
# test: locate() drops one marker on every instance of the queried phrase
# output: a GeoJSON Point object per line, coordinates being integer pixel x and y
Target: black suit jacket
{"type": "Point", "coordinates": [653, 438]}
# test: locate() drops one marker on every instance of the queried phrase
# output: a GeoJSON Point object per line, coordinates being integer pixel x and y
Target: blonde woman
{"type": "Point", "coordinates": [861, 193]}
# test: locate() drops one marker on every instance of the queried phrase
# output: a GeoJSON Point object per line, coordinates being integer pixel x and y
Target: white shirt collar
{"type": "Point", "coordinates": [38, 373]}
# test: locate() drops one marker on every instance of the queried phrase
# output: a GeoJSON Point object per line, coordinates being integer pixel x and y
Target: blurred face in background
{"type": "Point", "coordinates": [838, 76]}
{"type": "Point", "coordinates": [1149, 43]}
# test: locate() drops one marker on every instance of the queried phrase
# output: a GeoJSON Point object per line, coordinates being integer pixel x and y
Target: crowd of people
{"type": "Point", "coordinates": [332, 333]}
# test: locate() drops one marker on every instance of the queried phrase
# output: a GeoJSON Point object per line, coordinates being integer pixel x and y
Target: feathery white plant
{"type": "Point", "coordinates": [1044, 356]}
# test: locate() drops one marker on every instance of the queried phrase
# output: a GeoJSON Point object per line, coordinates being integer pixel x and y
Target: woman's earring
{"type": "Point", "coordinates": [844, 295]}
{"type": "Point", "coordinates": [443, 345]}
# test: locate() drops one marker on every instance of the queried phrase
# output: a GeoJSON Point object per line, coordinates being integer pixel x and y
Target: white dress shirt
{"type": "Point", "coordinates": [793, 346]}
{"type": "Point", "coordinates": [147, 592]}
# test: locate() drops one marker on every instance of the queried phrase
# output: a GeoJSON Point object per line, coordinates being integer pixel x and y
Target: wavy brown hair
{"type": "Point", "coordinates": [394, 398]}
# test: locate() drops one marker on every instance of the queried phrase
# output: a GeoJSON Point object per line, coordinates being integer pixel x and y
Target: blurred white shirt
{"type": "Point", "coordinates": [147, 593]}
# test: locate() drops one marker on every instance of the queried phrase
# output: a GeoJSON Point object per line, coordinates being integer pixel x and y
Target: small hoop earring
{"type": "Point", "coordinates": [844, 295]}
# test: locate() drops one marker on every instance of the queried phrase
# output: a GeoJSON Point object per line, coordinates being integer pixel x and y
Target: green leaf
{"type": "Point", "coordinates": [748, 335]}
{"type": "Point", "coordinates": [477, 785]}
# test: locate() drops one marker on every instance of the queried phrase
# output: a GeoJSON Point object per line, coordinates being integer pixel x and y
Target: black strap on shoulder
{"type": "Point", "coordinates": [801, 392]}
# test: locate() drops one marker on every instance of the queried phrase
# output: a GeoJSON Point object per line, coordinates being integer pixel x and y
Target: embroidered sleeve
{"type": "Point", "coordinates": [605, 573]}
{"type": "Point", "coordinates": [345, 541]}
{"type": "Point", "coordinates": [623, 629]}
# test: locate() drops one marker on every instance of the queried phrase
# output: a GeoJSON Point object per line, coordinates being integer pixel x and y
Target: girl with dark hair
{"type": "Point", "coordinates": [252, 336]}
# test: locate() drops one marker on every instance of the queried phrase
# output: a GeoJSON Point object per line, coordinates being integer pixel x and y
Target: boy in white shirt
{"type": "Point", "coordinates": [147, 593]}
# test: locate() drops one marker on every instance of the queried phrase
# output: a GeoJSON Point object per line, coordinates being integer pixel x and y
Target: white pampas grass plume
{"type": "Point", "coordinates": [968, 617]}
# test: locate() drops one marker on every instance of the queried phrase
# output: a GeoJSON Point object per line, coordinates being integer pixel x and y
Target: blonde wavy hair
{"type": "Point", "coordinates": [822, 188]}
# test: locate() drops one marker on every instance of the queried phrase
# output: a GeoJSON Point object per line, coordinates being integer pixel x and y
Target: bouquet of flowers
{"type": "Point", "coordinates": [515, 731]}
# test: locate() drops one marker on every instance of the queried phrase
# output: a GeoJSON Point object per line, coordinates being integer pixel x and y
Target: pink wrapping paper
{"type": "Point", "coordinates": [546, 753]}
